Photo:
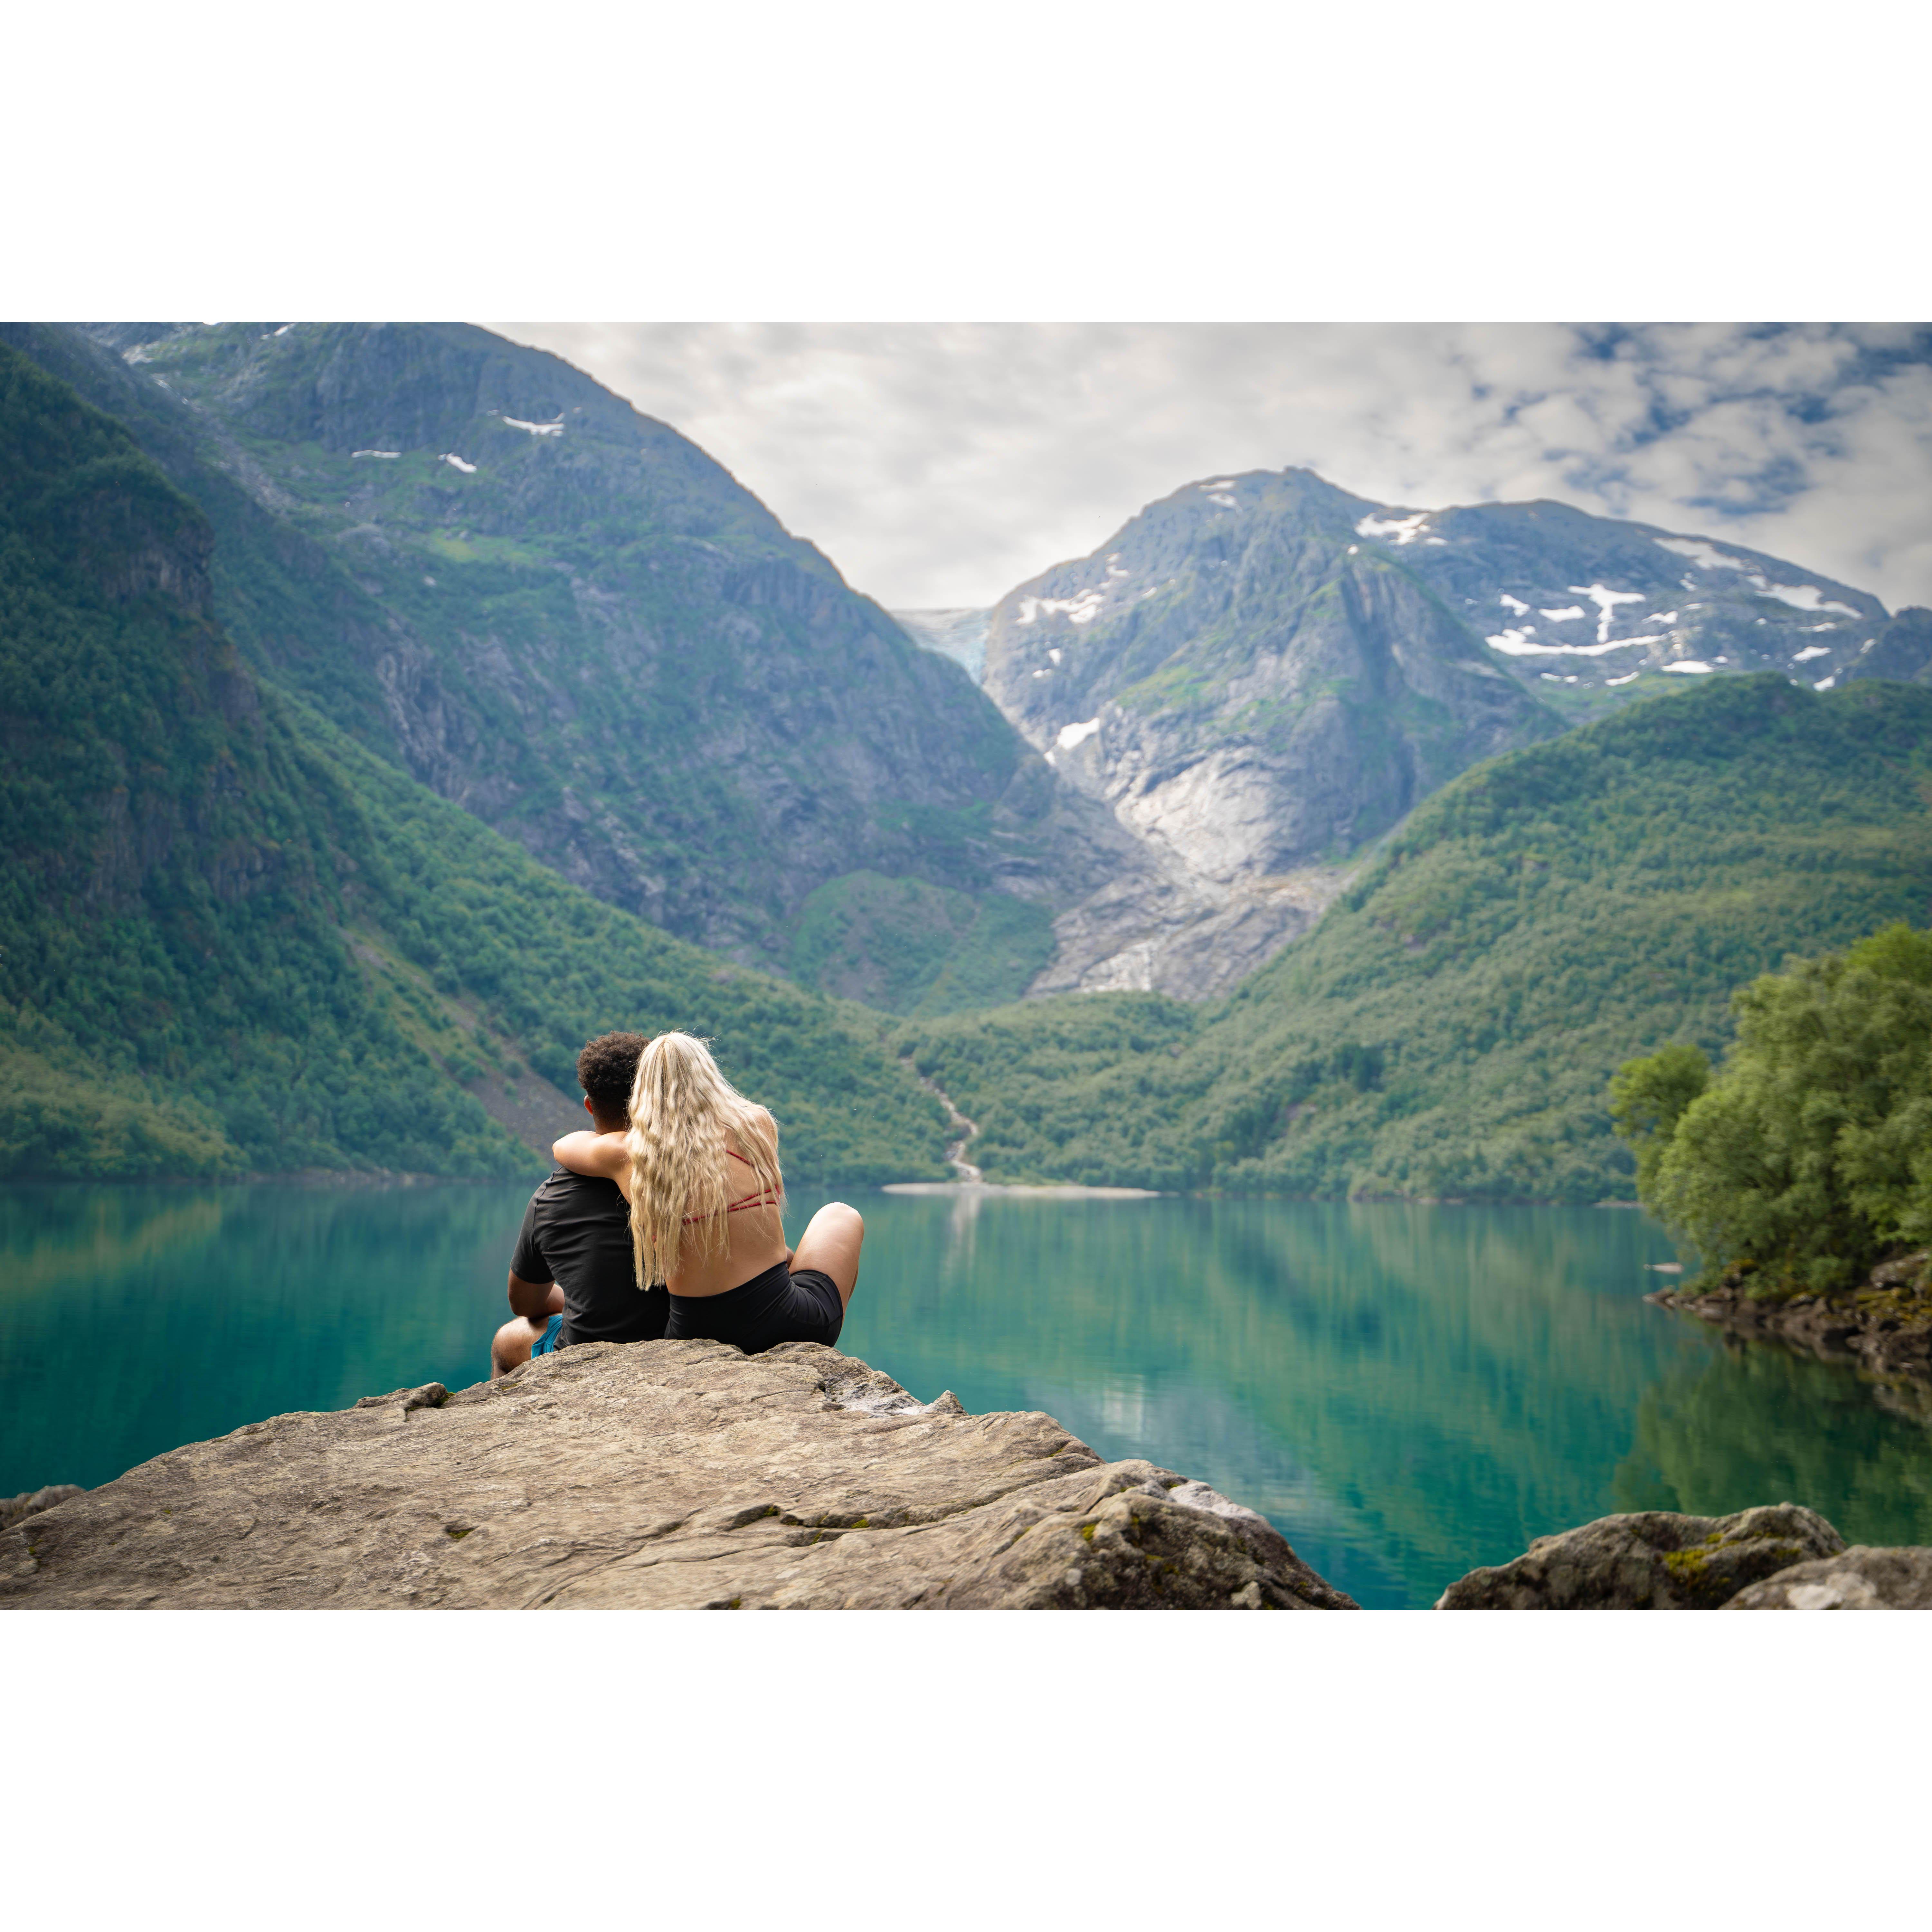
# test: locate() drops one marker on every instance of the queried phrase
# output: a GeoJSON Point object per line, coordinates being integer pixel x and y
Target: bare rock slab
{"type": "Point", "coordinates": [655, 1475]}
{"type": "Point", "coordinates": [1651, 1560]}
{"type": "Point", "coordinates": [1858, 1578]}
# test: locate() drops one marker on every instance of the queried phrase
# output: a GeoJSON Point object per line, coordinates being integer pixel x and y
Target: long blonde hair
{"type": "Point", "coordinates": [684, 1116]}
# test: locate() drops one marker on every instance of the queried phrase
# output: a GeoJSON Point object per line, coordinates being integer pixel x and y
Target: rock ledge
{"type": "Point", "coordinates": [658, 1475]}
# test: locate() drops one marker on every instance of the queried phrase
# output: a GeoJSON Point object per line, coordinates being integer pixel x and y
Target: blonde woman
{"type": "Point", "coordinates": [699, 1164]}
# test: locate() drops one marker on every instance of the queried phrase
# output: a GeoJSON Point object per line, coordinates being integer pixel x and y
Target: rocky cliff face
{"type": "Point", "coordinates": [572, 622]}
{"type": "Point", "coordinates": [661, 1475]}
{"type": "Point", "coordinates": [1901, 649]}
{"type": "Point", "coordinates": [1262, 673]}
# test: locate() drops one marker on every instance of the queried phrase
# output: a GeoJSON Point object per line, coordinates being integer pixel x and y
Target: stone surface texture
{"type": "Point", "coordinates": [31, 1502]}
{"type": "Point", "coordinates": [661, 1475]}
{"type": "Point", "coordinates": [1858, 1578]}
{"type": "Point", "coordinates": [1653, 1560]}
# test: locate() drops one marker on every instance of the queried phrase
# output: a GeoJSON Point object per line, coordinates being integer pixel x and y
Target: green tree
{"type": "Point", "coordinates": [1647, 1098]}
{"type": "Point", "coordinates": [1809, 1155]}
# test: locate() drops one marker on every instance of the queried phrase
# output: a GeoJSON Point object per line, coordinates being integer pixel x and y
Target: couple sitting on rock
{"type": "Point", "coordinates": [667, 1220]}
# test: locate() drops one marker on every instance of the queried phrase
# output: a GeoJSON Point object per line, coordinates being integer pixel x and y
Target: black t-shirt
{"type": "Point", "coordinates": [577, 1233]}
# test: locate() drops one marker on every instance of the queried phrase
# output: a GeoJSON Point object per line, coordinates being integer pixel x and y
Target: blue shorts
{"type": "Point", "coordinates": [546, 1342]}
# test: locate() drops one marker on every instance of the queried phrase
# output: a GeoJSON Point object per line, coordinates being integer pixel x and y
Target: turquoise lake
{"type": "Point", "coordinates": [1406, 1392]}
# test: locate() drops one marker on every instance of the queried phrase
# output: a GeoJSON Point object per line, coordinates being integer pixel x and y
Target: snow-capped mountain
{"type": "Point", "coordinates": [1260, 674]}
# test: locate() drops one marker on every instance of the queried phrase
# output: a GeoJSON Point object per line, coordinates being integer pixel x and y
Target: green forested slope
{"type": "Point", "coordinates": [1449, 1028]}
{"type": "Point", "coordinates": [567, 618]}
{"type": "Point", "coordinates": [231, 937]}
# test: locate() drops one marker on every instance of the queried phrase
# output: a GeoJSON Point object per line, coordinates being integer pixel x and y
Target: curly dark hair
{"type": "Point", "coordinates": [606, 1069]}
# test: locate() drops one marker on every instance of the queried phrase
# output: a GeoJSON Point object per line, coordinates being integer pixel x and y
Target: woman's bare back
{"type": "Point", "coordinates": [754, 1233]}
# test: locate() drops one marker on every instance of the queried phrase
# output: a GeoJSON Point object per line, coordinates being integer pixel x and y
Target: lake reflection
{"type": "Point", "coordinates": [1405, 1391]}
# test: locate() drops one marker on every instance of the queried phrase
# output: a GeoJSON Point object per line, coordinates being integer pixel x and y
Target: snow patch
{"type": "Point", "coordinates": [285, 327]}
{"type": "Point", "coordinates": [1661, 617]}
{"type": "Point", "coordinates": [1519, 644]}
{"type": "Point", "coordinates": [1394, 530]}
{"type": "Point", "coordinates": [136, 354]}
{"type": "Point", "coordinates": [1226, 483]}
{"type": "Point", "coordinates": [1566, 615]}
{"type": "Point", "coordinates": [1800, 596]}
{"type": "Point", "coordinates": [1629, 677]}
{"type": "Point", "coordinates": [1607, 602]}
{"type": "Point", "coordinates": [1072, 735]}
{"type": "Point", "coordinates": [1691, 665]}
{"type": "Point", "coordinates": [1081, 609]}
{"type": "Point", "coordinates": [1810, 651]}
{"type": "Point", "coordinates": [1521, 609]}
{"type": "Point", "coordinates": [1053, 653]}
{"type": "Point", "coordinates": [387, 455]}
{"type": "Point", "coordinates": [1226, 503]}
{"type": "Point", "coordinates": [536, 429]}
{"type": "Point", "coordinates": [457, 462]}
{"type": "Point", "coordinates": [1707, 556]}
{"type": "Point", "coordinates": [1825, 683]}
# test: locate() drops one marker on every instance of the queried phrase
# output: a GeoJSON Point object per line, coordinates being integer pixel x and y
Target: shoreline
{"type": "Point", "coordinates": [1041, 1191]}
{"type": "Point", "coordinates": [1882, 1328]}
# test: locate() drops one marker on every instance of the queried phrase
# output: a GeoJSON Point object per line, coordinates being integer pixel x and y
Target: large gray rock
{"type": "Point", "coordinates": [660, 1475]}
{"type": "Point", "coordinates": [1651, 1560]}
{"type": "Point", "coordinates": [1858, 1578]}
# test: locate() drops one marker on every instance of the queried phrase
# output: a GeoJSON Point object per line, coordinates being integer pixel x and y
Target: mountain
{"type": "Point", "coordinates": [1901, 651]}
{"type": "Point", "coordinates": [234, 937]}
{"type": "Point", "coordinates": [1259, 675]}
{"type": "Point", "coordinates": [565, 618]}
{"type": "Point", "coordinates": [1449, 1028]}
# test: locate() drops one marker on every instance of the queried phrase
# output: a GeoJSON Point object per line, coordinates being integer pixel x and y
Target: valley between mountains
{"type": "Point", "coordinates": [389, 707]}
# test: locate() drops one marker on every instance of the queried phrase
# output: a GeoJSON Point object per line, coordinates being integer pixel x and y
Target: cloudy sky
{"type": "Point", "coordinates": [941, 464]}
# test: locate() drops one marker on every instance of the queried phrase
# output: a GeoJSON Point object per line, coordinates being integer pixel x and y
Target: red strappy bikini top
{"type": "Point", "coordinates": [762, 1198]}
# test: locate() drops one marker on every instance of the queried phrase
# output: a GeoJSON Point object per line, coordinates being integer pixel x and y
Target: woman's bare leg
{"type": "Point", "coordinates": [831, 1243]}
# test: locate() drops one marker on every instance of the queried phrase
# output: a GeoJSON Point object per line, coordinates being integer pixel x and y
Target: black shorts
{"type": "Point", "coordinates": [780, 1305]}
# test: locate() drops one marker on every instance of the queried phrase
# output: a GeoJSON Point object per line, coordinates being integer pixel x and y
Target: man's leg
{"type": "Point", "coordinates": [830, 1243]}
{"type": "Point", "coordinates": [510, 1347]}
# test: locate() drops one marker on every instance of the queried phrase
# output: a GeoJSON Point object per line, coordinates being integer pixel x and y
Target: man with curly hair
{"type": "Point", "coordinates": [570, 1277]}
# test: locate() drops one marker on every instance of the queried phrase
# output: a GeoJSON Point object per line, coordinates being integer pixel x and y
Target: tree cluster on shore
{"type": "Point", "coordinates": [1804, 1156]}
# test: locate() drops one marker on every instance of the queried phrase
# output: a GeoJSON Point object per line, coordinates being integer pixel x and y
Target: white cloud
{"type": "Point", "coordinates": [939, 465]}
